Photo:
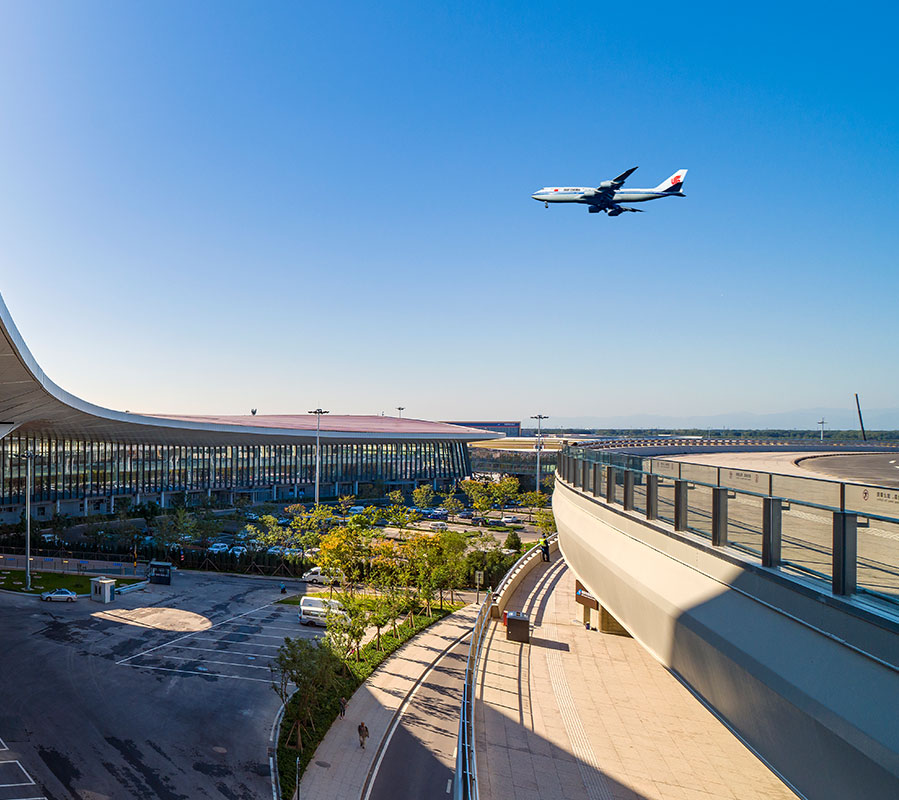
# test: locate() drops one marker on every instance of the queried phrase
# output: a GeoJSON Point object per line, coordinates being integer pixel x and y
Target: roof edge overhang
{"type": "Point", "coordinates": [31, 402]}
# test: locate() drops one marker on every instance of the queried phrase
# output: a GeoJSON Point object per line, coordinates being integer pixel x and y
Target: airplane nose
{"type": "Point", "coordinates": [534, 197]}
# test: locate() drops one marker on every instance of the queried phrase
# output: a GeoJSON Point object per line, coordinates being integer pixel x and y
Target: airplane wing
{"type": "Point", "coordinates": [606, 189]}
{"type": "Point", "coordinates": [615, 210]}
{"type": "Point", "coordinates": [623, 176]}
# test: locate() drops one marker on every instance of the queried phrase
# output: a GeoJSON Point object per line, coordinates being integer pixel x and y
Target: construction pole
{"type": "Point", "coordinates": [860, 421]}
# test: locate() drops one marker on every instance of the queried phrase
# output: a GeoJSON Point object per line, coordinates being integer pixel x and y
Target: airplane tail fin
{"type": "Point", "coordinates": [674, 184]}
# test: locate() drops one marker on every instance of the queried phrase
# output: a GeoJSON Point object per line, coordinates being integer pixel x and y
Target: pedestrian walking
{"type": "Point", "coordinates": [283, 588]}
{"type": "Point", "coordinates": [342, 706]}
{"type": "Point", "coordinates": [363, 734]}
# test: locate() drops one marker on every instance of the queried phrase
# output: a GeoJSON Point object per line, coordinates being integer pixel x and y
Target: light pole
{"type": "Point", "coordinates": [318, 450]}
{"type": "Point", "coordinates": [29, 480]}
{"type": "Point", "coordinates": [401, 409]}
{"type": "Point", "coordinates": [539, 418]}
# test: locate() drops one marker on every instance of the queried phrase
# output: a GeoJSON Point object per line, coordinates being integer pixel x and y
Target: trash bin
{"type": "Point", "coordinates": [518, 627]}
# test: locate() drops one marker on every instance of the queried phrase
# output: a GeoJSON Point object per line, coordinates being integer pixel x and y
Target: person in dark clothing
{"type": "Point", "coordinates": [544, 546]}
{"type": "Point", "coordinates": [363, 734]}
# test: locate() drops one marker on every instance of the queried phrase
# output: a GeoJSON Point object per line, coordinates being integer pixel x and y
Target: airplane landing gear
{"type": "Point", "coordinates": [546, 205]}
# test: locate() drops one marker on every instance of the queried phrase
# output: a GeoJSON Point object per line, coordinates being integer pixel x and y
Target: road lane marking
{"type": "Point", "coordinates": [232, 652]}
{"type": "Point", "coordinates": [29, 782]}
{"type": "Point", "coordinates": [211, 661]}
{"type": "Point", "coordinates": [188, 635]}
{"type": "Point", "coordinates": [198, 672]}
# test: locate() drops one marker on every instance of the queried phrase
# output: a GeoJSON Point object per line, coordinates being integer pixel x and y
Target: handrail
{"type": "Point", "coordinates": [466, 781]}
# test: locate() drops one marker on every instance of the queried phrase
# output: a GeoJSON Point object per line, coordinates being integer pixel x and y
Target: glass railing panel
{"type": "Point", "coordinates": [666, 500]}
{"type": "Point", "coordinates": [807, 540]}
{"type": "Point", "coordinates": [878, 556]}
{"type": "Point", "coordinates": [639, 493]}
{"type": "Point", "coordinates": [744, 523]}
{"type": "Point", "coordinates": [699, 509]}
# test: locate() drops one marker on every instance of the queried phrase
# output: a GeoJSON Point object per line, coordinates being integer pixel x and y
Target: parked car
{"type": "Point", "coordinates": [438, 526]}
{"type": "Point", "coordinates": [277, 550]}
{"type": "Point", "coordinates": [356, 509]}
{"type": "Point", "coordinates": [322, 577]}
{"type": "Point", "coordinates": [251, 515]}
{"type": "Point", "coordinates": [238, 551]}
{"type": "Point", "coordinates": [63, 595]}
{"type": "Point", "coordinates": [477, 521]}
{"type": "Point", "coordinates": [218, 547]}
{"type": "Point", "coordinates": [296, 552]}
{"type": "Point", "coordinates": [465, 514]}
{"type": "Point", "coordinates": [284, 520]}
{"type": "Point", "coordinates": [510, 520]}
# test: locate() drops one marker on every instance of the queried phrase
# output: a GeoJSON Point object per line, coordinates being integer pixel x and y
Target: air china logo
{"type": "Point", "coordinates": [555, 190]}
{"type": "Point", "coordinates": [675, 180]}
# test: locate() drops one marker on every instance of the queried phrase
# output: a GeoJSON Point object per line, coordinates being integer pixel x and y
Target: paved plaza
{"type": "Point", "coordinates": [590, 716]}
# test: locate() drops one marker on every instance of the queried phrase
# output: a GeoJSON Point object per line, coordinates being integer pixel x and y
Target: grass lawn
{"type": "Point", "coordinates": [14, 580]}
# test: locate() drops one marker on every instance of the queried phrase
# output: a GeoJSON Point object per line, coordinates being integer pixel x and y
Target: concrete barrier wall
{"type": "Point", "coordinates": [814, 691]}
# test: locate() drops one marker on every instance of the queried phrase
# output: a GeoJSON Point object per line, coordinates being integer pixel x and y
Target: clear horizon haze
{"type": "Point", "coordinates": [208, 207]}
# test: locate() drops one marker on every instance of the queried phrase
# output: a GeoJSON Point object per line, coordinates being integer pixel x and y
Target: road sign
{"type": "Point", "coordinates": [479, 577]}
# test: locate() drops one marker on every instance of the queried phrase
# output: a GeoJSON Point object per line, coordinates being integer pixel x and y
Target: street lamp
{"type": "Point", "coordinates": [401, 409]}
{"type": "Point", "coordinates": [539, 418]}
{"type": "Point", "coordinates": [318, 450]}
{"type": "Point", "coordinates": [29, 480]}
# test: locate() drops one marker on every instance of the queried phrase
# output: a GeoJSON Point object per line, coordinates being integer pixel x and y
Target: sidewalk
{"type": "Point", "coordinates": [590, 716]}
{"type": "Point", "coordinates": [339, 768]}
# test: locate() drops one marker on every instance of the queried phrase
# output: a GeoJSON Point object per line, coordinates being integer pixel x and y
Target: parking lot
{"type": "Point", "coordinates": [241, 647]}
{"type": "Point", "coordinates": [165, 693]}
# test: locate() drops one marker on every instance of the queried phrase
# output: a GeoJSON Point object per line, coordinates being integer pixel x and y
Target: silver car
{"type": "Point", "coordinates": [66, 595]}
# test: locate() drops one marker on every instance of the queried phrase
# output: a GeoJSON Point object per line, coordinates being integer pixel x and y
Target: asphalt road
{"type": "Point", "coordinates": [420, 759]}
{"type": "Point", "coordinates": [163, 694]}
{"type": "Point", "coordinates": [881, 469]}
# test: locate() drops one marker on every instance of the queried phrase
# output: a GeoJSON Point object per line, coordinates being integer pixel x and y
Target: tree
{"type": "Point", "coordinates": [424, 495]}
{"type": "Point", "coordinates": [345, 502]}
{"type": "Point", "coordinates": [546, 522]}
{"type": "Point", "coordinates": [549, 482]}
{"type": "Point", "coordinates": [346, 630]}
{"type": "Point", "coordinates": [504, 490]}
{"type": "Point", "coordinates": [451, 572]}
{"type": "Point", "coordinates": [533, 500]}
{"type": "Point", "coordinates": [513, 541]}
{"type": "Point", "coordinates": [305, 667]}
{"type": "Point", "coordinates": [453, 506]}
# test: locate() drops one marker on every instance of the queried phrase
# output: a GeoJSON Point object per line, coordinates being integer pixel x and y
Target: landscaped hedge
{"type": "Point", "coordinates": [327, 706]}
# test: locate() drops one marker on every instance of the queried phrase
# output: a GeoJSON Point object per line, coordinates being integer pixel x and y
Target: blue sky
{"type": "Point", "coordinates": [208, 207]}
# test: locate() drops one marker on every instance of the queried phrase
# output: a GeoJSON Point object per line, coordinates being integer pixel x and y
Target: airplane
{"type": "Point", "coordinates": [608, 195]}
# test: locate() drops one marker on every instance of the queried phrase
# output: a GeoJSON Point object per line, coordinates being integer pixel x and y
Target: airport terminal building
{"type": "Point", "coordinates": [84, 456]}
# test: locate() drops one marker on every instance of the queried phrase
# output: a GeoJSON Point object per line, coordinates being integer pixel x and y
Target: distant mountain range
{"type": "Point", "coordinates": [801, 419]}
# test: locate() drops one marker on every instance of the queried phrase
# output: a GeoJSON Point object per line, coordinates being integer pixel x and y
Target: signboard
{"type": "Point", "coordinates": [750, 480]}
{"type": "Point", "coordinates": [670, 469]}
{"type": "Point", "coordinates": [876, 500]}
{"type": "Point", "coordinates": [582, 596]}
{"type": "Point", "coordinates": [479, 577]}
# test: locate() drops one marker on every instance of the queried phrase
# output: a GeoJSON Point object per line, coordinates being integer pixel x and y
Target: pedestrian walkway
{"type": "Point", "coordinates": [590, 716]}
{"type": "Point", "coordinates": [340, 767]}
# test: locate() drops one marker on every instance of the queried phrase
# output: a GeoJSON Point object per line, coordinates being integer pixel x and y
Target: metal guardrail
{"type": "Point", "coordinates": [846, 534]}
{"type": "Point", "coordinates": [465, 785]}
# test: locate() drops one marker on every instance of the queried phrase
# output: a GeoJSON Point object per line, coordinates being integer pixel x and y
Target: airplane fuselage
{"type": "Point", "coordinates": [589, 195]}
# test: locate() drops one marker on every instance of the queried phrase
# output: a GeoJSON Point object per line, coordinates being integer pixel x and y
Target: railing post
{"type": "Point", "coordinates": [628, 499]}
{"type": "Point", "coordinates": [652, 497]}
{"type": "Point", "coordinates": [680, 505]}
{"type": "Point", "coordinates": [845, 551]}
{"type": "Point", "coordinates": [597, 480]}
{"type": "Point", "coordinates": [610, 484]}
{"type": "Point", "coordinates": [719, 517]}
{"type": "Point", "coordinates": [583, 480]}
{"type": "Point", "coordinates": [772, 516]}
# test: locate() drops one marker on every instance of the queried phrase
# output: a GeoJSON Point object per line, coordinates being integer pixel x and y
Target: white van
{"type": "Point", "coordinates": [438, 526]}
{"type": "Point", "coordinates": [314, 610]}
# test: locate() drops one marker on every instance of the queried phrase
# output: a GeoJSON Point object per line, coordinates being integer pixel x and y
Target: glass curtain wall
{"type": "Point", "coordinates": [67, 469]}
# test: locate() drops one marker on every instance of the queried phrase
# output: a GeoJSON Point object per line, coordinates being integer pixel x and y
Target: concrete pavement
{"type": "Point", "coordinates": [590, 716]}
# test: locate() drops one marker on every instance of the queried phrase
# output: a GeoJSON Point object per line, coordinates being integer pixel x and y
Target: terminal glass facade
{"type": "Point", "coordinates": [67, 469]}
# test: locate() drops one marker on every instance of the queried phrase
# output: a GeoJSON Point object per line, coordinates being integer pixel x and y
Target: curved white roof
{"type": "Point", "coordinates": [30, 401]}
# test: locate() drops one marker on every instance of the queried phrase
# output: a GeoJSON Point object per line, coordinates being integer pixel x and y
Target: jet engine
{"type": "Point", "coordinates": [608, 185]}
{"type": "Point", "coordinates": [594, 209]}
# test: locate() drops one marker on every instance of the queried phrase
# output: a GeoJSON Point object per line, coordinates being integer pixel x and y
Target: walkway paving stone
{"type": "Point", "coordinates": [339, 768]}
{"type": "Point", "coordinates": [582, 715]}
